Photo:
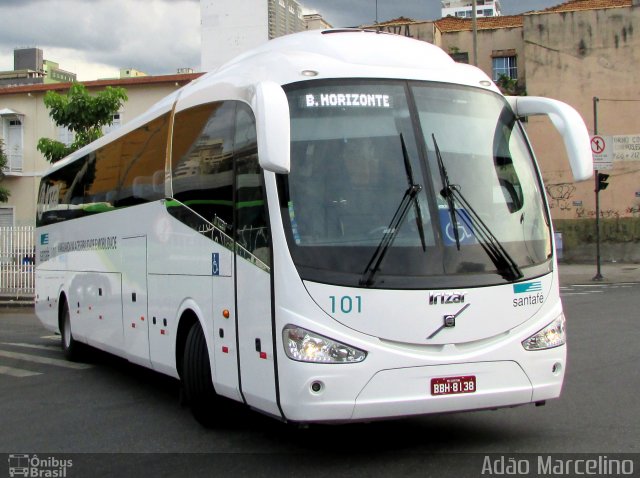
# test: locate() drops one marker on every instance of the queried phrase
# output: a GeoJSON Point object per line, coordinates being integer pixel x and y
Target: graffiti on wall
{"type": "Point", "coordinates": [560, 196]}
{"type": "Point", "coordinates": [404, 30]}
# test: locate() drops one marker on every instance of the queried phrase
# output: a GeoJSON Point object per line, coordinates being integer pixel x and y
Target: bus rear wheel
{"type": "Point", "coordinates": [196, 378]}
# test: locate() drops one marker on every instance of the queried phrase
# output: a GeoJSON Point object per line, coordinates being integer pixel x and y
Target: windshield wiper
{"type": "Point", "coordinates": [390, 233]}
{"type": "Point", "coordinates": [505, 264]}
{"type": "Point", "coordinates": [446, 193]}
{"type": "Point", "coordinates": [416, 202]}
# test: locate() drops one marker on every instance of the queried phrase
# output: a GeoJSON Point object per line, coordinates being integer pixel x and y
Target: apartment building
{"type": "Point", "coordinates": [464, 8]}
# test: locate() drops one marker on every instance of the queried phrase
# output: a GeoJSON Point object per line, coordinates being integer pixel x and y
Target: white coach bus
{"type": "Point", "coordinates": [336, 226]}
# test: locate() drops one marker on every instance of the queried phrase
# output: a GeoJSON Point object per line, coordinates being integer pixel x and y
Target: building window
{"type": "Point", "coordinates": [460, 57]}
{"type": "Point", "coordinates": [6, 216]}
{"type": "Point", "coordinates": [116, 122]}
{"type": "Point", "coordinates": [505, 65]}
{"type": "Point", "coordinates": [13, 140]}
{"type": "Point", "coordinates": [65, 135]}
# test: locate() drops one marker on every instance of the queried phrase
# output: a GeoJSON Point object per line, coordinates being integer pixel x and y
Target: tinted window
{"type": "Point", "coordinates": [128, 171]}
{"type": "Point", "coordinates": [252, 231]}
{"type": "Point", "coordinates": [202, 164]}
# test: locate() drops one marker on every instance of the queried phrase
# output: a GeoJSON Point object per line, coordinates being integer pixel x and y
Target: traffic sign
{"type": "Point", "coordinates": [626, 147]}
{"type": "Point", "coordinates": [602, 151]}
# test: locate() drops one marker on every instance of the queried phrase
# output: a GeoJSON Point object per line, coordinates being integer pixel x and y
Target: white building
{"type": "Point", "coordinates": [464, 8]}
{"type": "Point", "coordinates": [231, 28]}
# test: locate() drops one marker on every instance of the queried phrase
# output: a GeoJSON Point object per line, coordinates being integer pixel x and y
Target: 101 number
{"type": "Point", "coordinates": [346, 304]}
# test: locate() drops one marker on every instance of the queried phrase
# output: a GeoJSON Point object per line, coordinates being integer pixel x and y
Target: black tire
{"type": "Point", "coordinates": [196, 378]}
{"type": "Point", "coordinates": [70, 347]}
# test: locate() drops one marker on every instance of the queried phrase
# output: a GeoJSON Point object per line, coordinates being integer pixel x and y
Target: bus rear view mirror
{"type": "Point", "coordinates": [569, 124]}
{"type": "Point", "coordinates": [272, 117]}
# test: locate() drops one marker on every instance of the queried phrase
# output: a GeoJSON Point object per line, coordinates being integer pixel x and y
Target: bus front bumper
{"type": "Point", "coordinates": [408, 391]}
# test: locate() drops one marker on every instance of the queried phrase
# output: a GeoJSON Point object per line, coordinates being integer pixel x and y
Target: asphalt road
{"type": "Point", "coordinates": [112, 418]}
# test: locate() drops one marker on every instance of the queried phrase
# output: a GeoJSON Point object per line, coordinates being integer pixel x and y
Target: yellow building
{"type": "Point", "coordinates": [24, 120]}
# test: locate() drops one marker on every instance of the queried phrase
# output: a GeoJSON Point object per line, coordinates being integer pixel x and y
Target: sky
{"type": "Point", "coordinates": [95, 38]}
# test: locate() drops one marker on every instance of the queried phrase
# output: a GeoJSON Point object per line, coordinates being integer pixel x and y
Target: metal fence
{"type": "Point", "coordinates": [17, 262]}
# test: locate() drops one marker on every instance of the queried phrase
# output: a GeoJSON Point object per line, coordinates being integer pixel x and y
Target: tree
{"type": "Point", "coordinates": [4, 193]}
{"type": "Point", "coordinates": [81, 113]}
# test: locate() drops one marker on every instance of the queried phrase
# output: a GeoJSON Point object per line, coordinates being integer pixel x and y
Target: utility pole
{"type": "Point", "coordinates": [377, 14]}
{"type": "Point", "coordinates": [474, 22]}
{"type": "Point", "coordinates": [598, 276]}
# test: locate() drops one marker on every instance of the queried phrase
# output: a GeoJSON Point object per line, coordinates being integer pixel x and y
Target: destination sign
{"type": "Point", "coordinates": [349, 100]}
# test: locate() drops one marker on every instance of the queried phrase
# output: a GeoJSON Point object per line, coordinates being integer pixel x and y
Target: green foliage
{"type": "Point", "coordinates": [54, 150]}
{"type": "Point", "coordinates": [4, 193]}
{"type": "Point", "coordinates": [81, 113]}
{"type": "Point", "coordinates": [509, 86]}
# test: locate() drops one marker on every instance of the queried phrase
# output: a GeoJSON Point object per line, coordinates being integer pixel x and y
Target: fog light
{"type": "Point", "coordinates": [553, 335]}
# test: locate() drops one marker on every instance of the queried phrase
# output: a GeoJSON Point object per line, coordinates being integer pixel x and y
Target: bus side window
{"type": "Point", "coordinates": [252, 230]}
{"type": "Point", "coordinates": [202, 165]}
{"type": "Point", "coordinates": [142, 152]}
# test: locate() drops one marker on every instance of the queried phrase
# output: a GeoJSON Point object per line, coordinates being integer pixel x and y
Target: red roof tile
{"type": "Point", "coordinates": [181, 79]}
{"type": "Point", "coordinates": [573, 5]}
{"type": "Point", "coordinates": [454, 24]}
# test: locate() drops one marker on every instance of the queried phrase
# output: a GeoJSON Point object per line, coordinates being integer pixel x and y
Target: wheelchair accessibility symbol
{"type": "Point", "coordinates": [215, 263]}
{"type": "Point", "coordinates": [465, 234]}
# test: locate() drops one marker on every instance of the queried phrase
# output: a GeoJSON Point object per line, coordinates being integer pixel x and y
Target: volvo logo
{"type": "Point", "coordinates": [449, 321]}
{"type": "Point", "coordinates": [446, 298]}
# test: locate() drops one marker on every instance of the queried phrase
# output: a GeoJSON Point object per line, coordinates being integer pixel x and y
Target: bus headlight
{"type": "Point", "coordinates": [553, 335]}
{"type": "Point", "coordinates": [306, 346]}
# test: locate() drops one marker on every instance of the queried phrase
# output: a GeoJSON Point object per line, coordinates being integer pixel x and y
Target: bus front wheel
{"type": "Point", "coordinates": [196, 377]}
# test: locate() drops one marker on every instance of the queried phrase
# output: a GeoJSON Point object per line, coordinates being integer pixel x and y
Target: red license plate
{"type": "Point", "coordinates": [453, 385]}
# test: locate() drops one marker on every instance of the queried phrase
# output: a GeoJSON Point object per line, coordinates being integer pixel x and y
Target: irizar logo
{"type": "Point", "coordinates": [446, 298]}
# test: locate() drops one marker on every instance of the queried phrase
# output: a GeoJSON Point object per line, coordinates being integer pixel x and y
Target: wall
{"type": "Point", "coordinates": [488, 42]}
{"type": "Point", "coordinates": [573, 57]}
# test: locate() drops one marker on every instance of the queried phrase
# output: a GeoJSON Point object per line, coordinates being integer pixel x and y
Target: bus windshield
{"type": "Point", "coordinates": [397, 184]}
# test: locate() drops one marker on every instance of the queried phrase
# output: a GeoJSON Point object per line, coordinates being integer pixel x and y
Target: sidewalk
{"type": "Point", "coordinates": [611, 272]}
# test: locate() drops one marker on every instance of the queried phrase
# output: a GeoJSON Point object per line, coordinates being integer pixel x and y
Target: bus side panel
{"type": "Point", "coordinates": [183, 267]}
{"type": "Point", "coordinates": [101, 309]}
{"type": "Point", "coordinates": [48, 285]}
{"type": "Point", "coordinates": [134, 300]}
{"type": "Point", "coordinates": [170, 296]}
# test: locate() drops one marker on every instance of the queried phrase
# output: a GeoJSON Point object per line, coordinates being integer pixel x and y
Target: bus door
{"type": "Point", "coordinates": [225, 355]}
{"type": "Point", "coordinates": [134, 300]}
{"type": "Point", "coordinates": [255, 338]}
{"type": "Point", "coordinates": [253, 272]}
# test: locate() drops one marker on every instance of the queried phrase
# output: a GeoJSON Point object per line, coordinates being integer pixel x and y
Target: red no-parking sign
{"type": "Point", "coordinates": [602, 150]}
